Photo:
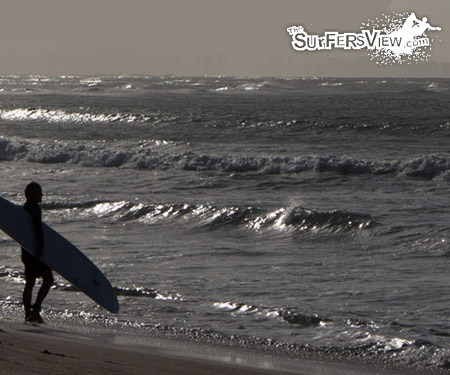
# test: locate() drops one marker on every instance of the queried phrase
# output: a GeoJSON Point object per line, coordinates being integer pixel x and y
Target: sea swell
{"type": "Point", "coordinates": [149, 156]}
{"type": "Point", "coordinates": [292, 219]}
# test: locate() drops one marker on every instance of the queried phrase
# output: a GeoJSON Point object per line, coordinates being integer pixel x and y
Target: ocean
{"type": "Point", "coordinates": [260, 212]}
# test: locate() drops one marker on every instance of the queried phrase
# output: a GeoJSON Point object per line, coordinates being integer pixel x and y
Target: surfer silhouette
{"type": "Point", "coordinates": [414, 27]}
{"type": "Point", "coordinates": [411, 29]}
{"type": "Point", "coordinates": [424, 26]}
{"type": "Point", "coordinates": [34, 268]}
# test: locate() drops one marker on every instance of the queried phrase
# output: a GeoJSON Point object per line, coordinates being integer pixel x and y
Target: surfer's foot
{"type": "Point", "coordinates": [28, 316]}
{"type": "Point", "coordinates": [34, 316]}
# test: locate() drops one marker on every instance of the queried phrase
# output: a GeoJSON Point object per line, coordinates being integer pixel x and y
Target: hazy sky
{"type": "Point", "coordinates": [233, 37]}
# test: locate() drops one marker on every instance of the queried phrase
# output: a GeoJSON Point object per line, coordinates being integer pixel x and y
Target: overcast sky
{"type": "Point", "coordinates": [200, 37]}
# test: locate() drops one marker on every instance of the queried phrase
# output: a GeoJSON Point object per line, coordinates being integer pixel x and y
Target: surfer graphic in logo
{"type": "Point", "coordinates": [411, 35]}
{"type": "Point", "coordinates": [407, 36]}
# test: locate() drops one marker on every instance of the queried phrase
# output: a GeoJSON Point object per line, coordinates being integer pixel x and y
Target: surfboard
{"type": "Point", "coordinates": [59, 254]}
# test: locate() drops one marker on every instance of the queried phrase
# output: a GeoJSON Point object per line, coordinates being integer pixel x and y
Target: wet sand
{"type": "Point", "coordinates": [30, 349]}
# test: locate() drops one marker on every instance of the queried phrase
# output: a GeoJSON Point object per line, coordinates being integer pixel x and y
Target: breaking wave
{"type": "Point", "coordinates": [369, 341]}
{"type": "Point", "coordinates": [61, 116]}
{"type": "Point", "coordinates": [148, 155]}
{"type": "Point", "coordinates": [291, 317]}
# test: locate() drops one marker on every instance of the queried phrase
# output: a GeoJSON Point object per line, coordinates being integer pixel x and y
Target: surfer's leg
{"type": "Point", "coordinates": [47, 282]}
{"type": "Point", "coordinates": [26, 296]}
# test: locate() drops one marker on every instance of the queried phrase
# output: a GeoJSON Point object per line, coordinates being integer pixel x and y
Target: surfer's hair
{"type": "Point", "coordinates": [31, 188]}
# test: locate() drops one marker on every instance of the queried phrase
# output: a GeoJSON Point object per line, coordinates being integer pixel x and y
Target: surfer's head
{"type": "Point", "coordinates": [33, 192]}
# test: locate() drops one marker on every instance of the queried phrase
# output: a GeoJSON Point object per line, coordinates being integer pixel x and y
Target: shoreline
{"type": "Point", "coordinates": [33, 349]}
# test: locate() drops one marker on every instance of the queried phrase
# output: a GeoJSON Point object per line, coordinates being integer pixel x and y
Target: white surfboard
{"type": "Point", "coordinates": [59, 254]}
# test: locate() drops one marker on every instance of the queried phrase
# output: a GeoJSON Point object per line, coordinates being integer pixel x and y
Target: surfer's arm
{"type": "Point", "coordinates": [432, 28]}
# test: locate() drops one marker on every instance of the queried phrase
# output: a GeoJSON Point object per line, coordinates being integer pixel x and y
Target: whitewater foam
{"type": "Point", "coordinates": [61, 116]}
{"type": "Point", "coordinates": [148, 156]}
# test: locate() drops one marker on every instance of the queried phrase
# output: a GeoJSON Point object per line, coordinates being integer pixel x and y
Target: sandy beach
{"type": "Point", "coordinates": [32, 349]}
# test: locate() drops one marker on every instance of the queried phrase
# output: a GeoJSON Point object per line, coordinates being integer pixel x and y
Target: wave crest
{"type": "Point", "coordinates": [293, 219]}
{"type": "Point", "coordinates": [306, 220]}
